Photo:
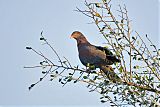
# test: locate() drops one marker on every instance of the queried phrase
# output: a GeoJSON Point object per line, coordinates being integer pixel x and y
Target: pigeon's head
{"type": "Point", "coordinates": [77, 35]}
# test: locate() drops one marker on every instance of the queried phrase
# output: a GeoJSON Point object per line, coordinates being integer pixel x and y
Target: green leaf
{"type": "Point", "coordinates": [158, 51]}
{"type": "Point", "coordinates": [158, 86]}
{"type": "Point", "coordinates": [138, 42]}
{"type": "Point", "coordinates": [102, 101]}
{"type": "Point", "coordinates": [116, 22]}
{"type": "Point", "coordinates": [114, 92]}
{"type": "Point", "coordinates": [107, 35]}
{"type": "Point", "coordinates": [120, 69]}
{"type": "Point", "coordinates": [134, 57]}
{"type": "Point", "coordinates": [52, 75]}
{"type": "Point", "coordinates": [103, 28]}
{"type": "Point", "coordinates": [117, 53]}
{"type": "Point", "coordinates": [119, 39]}
{"type": "Point", "coordinates": [70, 74]}
{"type": "Point", "coordinates": [112, 33]}
{"type": "Point", "coordinates": [60, 79]}
{"type": "Point", "coordinates": [62, 82]}
{"type": "Point", "coordinates": [92, 67]}
{"type": "Point", "coordinates": [43, 72]}
{"type": "Point", "coordinates": [95, 78]}
{"type": "Point", "coordinates": [41, 63]}
{"type": "Point", "coordinates": [101, 97]}
{"type": "Point", "coordinates": [133, 38]}
{"type": "Point", "coordinates": [96, 21]}
{"type": "Point", "coordinates": [69, 79]}
{"type": "Point", "coordinates": [153, 69]}
{"type": "Point", "coordinates": [75, 81]}
{"type": "Point", "coordinates": [106, 82]}
{"type": "Point", "coordinates": [129, 53]}
{"type": "Point", "coordinates": [97, 5]}
{"type": "Point", "coordinates": [136, 67]}
{"type": "Point", "coordinates": [85, 77]}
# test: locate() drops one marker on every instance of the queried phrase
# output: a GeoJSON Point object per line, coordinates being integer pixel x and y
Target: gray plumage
{"type": "Point", "coordinates": [100, 57]}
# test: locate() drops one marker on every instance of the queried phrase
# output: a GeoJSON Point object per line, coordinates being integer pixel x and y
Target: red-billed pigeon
{"type": "Point", "coordinates": [100, 57]}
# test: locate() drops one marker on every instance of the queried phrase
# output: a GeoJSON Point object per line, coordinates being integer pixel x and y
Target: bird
{"type": "Point", "coordinates": [97, 56]}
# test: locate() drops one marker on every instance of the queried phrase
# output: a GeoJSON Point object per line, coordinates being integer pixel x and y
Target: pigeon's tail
{"type": "Point", "coordinates": [111, 75]}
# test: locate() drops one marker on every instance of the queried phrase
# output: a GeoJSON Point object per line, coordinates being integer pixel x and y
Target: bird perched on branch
{"type": "Point", "coordinates": [99, 57]}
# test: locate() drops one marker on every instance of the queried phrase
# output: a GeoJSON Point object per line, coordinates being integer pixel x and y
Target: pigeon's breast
{"type": "Point", "coordinates": [90, 55]}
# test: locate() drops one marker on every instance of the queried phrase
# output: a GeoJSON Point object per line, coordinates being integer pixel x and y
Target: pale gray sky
{"type": "Point", "coordinates": [21, 22]}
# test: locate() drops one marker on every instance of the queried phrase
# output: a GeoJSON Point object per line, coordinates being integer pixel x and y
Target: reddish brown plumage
{"type": "Point", "coordinates": [79, 37]}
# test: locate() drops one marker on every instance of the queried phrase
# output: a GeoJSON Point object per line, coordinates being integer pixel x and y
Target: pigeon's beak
{"type": "Point", "coordinates": [71, 36]}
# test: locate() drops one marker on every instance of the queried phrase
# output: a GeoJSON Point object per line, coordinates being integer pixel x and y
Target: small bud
{"type": "Point", "coordinates": [41, 79]}
{"type": "Point", "coordinates": [28, 48]}
{"type": "Point", "coordinates": [43, 72]}
{"type": "Point", "coordinates": [42, 38]}
{"type": "Point", "coordinates": [32, 85]}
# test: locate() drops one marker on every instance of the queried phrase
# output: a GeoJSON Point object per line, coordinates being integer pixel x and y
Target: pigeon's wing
{"type": "Point", "coordinates": [109, 54]}
{"type": "Point", "coordinates": [106, 50]}
{"type": "Point", "coordinates": [112, 58]}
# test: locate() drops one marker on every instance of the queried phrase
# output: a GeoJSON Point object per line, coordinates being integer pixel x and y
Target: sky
{"type": "Point", "coordinates": [21, 22]}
